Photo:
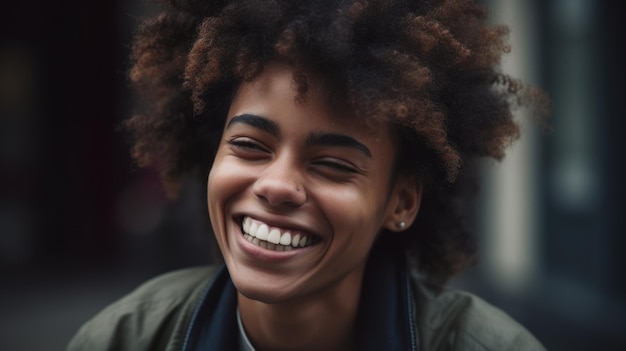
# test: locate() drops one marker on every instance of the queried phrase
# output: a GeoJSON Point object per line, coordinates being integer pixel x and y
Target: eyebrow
{"type": "Point", "coordinates": [258, 122]}
{"type": "Point", "coordinates": [314, 139]}
{"type": "Point", "coordinates": [341, 140]}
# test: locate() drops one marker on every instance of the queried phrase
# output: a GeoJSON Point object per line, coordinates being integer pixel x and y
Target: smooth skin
{"type": "Point", "coordinates": [299, 167]}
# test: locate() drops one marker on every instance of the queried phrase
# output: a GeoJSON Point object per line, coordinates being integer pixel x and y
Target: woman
{"type": "Point", "coordinates": [334, 135]}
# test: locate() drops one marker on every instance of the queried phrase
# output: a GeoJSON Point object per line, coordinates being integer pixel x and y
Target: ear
{"type": "Point", "coordinates": [404, 204]}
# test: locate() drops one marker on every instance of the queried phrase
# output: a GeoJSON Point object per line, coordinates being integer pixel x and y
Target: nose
{"type": "Point", "coordinates": [279, 184]}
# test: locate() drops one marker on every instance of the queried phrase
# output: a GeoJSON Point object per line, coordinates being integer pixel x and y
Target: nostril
{"type": "Point", "coordinates": [279, 201]}
{"type": "Point", "coordinates": [277, 192]}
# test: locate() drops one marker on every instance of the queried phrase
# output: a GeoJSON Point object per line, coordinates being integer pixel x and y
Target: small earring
{"type": "Point", "coordinates": [401, 225]}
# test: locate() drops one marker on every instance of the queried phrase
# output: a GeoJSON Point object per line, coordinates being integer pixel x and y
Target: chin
{"type": "Point", "coordinates": [265, 293]}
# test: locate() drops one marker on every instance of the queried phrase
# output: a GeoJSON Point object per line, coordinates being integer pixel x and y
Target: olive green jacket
{"type": "Point", "coordinates": [194, 309]}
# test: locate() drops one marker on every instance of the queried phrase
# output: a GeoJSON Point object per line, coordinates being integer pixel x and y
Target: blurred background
{"type": "Point", "coordinates": [80, 226]}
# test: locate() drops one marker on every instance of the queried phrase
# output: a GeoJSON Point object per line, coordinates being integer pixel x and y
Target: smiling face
{"type": "Point", "coordinates": [297, 196]}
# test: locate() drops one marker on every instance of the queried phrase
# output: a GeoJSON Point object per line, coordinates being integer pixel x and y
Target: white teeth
{"type": "Point", "coordinates": [246, 225]}
{"type": "Point", "coordinates": [274, 236]}
{"type": "Point", "coordinates": [295, 240]}
{"type": "Point", "coordinates": [263, 232]}
{"type": "Point", "coordinates": [285, 239]}
{"type": "Point", "coordinates": [260, 234]}
{"type": "Point", "coordinates": [253, 229]}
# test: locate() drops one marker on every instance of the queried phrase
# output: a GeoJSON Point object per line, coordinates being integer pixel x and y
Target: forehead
{"type": "Point", "coordinates": [283, 89]}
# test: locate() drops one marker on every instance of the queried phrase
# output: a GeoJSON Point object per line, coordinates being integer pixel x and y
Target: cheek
{"type": "Point", "coordinates": [225, 172]}
{"type": "Point", "coordinates": [225, 180]}
{"type": "Point", "coordinates": [355, 212]}
{"type": "Point", "coordinates": [213, 197]}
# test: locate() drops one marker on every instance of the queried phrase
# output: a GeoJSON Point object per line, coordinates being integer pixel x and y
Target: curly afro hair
{"type": "Point", "coordinates": [428, 67]}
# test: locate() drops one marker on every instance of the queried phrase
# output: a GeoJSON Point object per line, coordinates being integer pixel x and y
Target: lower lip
{"type": "Point", "coordinates": [260, 253]}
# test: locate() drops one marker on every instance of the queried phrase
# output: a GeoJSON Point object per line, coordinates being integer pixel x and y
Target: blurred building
{"type": "Point", "coordinates": [551, 214]}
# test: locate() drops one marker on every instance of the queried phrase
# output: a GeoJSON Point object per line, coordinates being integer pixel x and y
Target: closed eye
{"type": "Point", "coordinates": [246, 144]}
{"type": "Point", "coordinates": [338, 166]}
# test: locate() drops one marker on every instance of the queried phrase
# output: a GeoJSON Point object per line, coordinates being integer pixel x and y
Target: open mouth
{"type": "Point", "coordinates": [273, 238]}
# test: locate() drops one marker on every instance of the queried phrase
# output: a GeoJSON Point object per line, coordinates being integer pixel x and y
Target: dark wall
{"type": "Point", "coordinates": [64, 175]}
{"type": "Point", "coordinates": [71, 196]}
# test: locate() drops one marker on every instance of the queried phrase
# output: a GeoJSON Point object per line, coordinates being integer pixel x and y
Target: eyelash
{"type": "Point", "coordinates": [249, 145]}
{"type": "Point", "coordinates": [245, 144]}
{"type": "Point", "coordinates": [337, 166]}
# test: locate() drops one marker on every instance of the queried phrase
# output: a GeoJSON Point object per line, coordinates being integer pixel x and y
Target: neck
{"type": "Point", "coordinates": [322, 321]}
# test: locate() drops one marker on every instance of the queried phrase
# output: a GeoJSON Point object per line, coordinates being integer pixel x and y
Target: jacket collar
{"type": "Point", "coordinates": [386, 318]}
{"type": "Point", "coordinates": [213, 324]}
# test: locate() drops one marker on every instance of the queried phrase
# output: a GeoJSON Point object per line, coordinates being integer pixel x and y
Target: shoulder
{"type": "Point", "coordinates": [171, 286]}
{"type": "Point", "coordinates": [147, 317]}
{"type": "Point", "coordinates": [457, 320]}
